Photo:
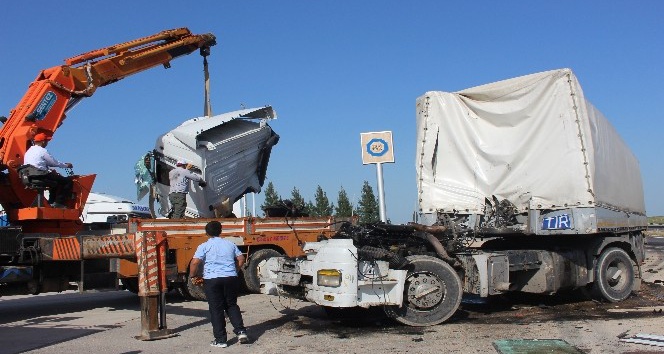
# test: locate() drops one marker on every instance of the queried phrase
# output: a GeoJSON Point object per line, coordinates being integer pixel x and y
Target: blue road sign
{"type": "Point", "coordinates": [377, 147]}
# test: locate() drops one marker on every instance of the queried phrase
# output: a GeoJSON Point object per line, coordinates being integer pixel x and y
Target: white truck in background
{"type": "Point", "coordinates": [102, 210]}
{"type": "Point", "coordinates": [523, 186]}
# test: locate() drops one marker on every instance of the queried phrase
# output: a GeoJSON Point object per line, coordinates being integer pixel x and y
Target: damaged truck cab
{"type": "Point", "coordinates": [523, 186]}
{"type": "Point", "coordinates": [230, 151]}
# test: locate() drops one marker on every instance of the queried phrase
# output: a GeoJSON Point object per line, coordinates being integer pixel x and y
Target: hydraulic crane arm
{"type": "Point", "coordinates": [121, 60]}
{"type": "Point", "coordinates": [43, 107]}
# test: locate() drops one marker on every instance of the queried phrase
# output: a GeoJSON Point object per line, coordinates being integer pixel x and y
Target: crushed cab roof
{"type": "Point", "coordinates": [189, 131]}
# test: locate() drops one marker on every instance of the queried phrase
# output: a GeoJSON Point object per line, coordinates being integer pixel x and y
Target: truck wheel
{"type": "Point", "coordinates": [130, 284]}
{"type": "Point", "coordinates": [614, 275]}
{"type": "Point", "coordinates": [432, 293]}
{"type": "Point", "coordinates": [190, 291]}
{"type": "Point", "coordinates": [252, 271]}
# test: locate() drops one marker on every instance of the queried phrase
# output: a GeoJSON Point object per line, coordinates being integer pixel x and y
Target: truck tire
{"type": "Point", "coordinates": [614, 275]}
{"type": "Point", "coordinates": [130, 284]}
{"type": "Point", "coordinates": [251, 272]}
{"type": "Point", "coordinates": [190, 291]}
{"type": "Point", "coordinates": [432, 293]}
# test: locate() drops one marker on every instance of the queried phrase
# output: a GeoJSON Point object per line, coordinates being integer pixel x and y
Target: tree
{"type": "Point", "coordinates": [308, 208]}
{"type": "Point", "coordinates": [322, 205]}
{"type": "Point", "coordinates": [344, 207]}
{"type": "Point", "coordinates": [297, 199]}
{"type": "Point", "coordinates": [271, 196]}
{"type": "Point", "coordinates": [368, 206]}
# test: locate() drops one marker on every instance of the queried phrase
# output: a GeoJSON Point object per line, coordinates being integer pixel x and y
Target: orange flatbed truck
{"type": "Point", "coordinates": [258, 238]}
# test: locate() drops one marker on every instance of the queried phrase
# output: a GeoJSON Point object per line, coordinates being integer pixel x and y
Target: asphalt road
{"type": "Point", "coordinates": [107, 322]}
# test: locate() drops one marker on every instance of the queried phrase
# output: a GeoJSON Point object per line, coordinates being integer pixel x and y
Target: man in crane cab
{"type": "Point", "coordinates": [179, 178]}
{"type": "Point", "coordinates": [38, 157]}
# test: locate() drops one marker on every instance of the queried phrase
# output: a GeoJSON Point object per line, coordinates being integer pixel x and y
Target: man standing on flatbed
{"type": "Point", "coordinates": [179, 179]}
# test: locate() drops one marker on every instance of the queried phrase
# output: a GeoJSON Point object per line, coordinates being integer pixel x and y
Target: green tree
{"type": "Point", "coordinates": [309, 208]}
{"type": "Point", "coordinates": [368, 206]}
{"type": "Point", "coordinates": [297, 199]}
{"type": "Point", "coordinates": [344, 207]}
{"type": "Point", "coordinates": [271, 196]}
{"type": "Point", "coordinates": [322, 206]}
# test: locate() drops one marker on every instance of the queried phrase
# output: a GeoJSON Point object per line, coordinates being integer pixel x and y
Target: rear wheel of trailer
{"type": "Point", "coordinates": [614, 275]}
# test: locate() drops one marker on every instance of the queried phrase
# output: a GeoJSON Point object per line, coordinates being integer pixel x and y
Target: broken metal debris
{"type": "Point", "coordinates": [648, 339]}
{"type": "Point", "coordinates": [509, 346]}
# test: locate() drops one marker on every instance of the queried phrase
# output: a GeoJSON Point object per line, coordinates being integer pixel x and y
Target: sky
{"type": "Point", "coordinates": [333, 70]}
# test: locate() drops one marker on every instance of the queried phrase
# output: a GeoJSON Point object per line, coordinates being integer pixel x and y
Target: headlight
{"type": "Point", "coordinates": [329, 277]}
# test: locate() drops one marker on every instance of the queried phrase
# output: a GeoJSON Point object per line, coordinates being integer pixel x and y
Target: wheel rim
{"type": "Point", "coordinates": [616, 272]}
{"type": "Point", "coordinates": [425, 290]}
{"type": "Point", "coordinates": [260, 266]}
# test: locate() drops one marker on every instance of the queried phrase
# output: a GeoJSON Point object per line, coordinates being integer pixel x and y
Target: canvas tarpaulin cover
{"type": "Point", "coordinates": [533, 140]}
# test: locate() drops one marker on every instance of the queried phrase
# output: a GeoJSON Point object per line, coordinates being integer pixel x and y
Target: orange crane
{"type": "Point", "coordinates": [44, 106]}
{"type": "Point", "coordinates": [43, 250]}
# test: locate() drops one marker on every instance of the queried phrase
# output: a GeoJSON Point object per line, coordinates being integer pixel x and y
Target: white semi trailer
{"type": "Point", "coordinates": [523, 186]}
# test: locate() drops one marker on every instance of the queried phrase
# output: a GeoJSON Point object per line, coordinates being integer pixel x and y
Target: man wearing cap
{"type": "Point", "coordinates": [179, 178]}
{"type": "Point", "coordinates": [38, 157]}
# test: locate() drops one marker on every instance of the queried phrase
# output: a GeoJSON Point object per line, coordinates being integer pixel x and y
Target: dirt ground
{"type": "Point", "coordinates": [108, 322]}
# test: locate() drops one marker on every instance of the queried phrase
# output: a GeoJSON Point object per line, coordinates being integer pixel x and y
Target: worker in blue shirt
{"type": "Point", "coordinates": [220, 259]}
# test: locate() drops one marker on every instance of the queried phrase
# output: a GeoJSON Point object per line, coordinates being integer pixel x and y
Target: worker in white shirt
{"type": "Point", "coordinates": [179, 178]}
{"type": "Point", "coordinates": [38, 157]}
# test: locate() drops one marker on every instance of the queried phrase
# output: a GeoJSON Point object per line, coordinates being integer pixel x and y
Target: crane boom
{"type": "Point", "coordinates": [44, 106]}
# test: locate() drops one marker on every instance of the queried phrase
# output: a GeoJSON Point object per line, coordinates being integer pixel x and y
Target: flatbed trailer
{"type": "Point", "coordinates": [258, 238]}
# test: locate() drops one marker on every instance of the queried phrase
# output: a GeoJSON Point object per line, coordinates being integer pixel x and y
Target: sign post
{"type": "Point", "coordinates": [377, 149]}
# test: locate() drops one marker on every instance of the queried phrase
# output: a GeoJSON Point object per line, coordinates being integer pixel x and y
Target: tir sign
{"type": "Point", "coordinates": [377, 147]}
{"type": "Point", "coordinates": [558, 222]}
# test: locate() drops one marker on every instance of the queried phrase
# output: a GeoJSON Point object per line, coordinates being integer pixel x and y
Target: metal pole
{"type": "Point", "coordinates": [253, 204]}
{"type": "Point", "coordinates": [207, 106]}
{"type": "Point", "coordinates": [381, 192]}
{"type": "Point", "coordinates": [162, 311]}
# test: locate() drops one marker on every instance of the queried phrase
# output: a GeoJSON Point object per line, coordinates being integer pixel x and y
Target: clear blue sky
{"type": "Point", "coordinates": [334, 69]}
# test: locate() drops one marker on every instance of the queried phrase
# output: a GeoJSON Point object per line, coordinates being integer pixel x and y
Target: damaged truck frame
{"type": "Point", "coordinates": [523, 186]}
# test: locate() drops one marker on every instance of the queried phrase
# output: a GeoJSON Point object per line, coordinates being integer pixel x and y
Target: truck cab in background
{"type": "Point", "coordinates": [102, 210]}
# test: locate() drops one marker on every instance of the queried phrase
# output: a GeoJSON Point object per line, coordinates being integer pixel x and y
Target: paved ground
{"type": "Point", "coordinates": [107, 323]}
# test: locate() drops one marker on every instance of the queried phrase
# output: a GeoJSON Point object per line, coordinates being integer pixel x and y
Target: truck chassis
{"type": "Point", "coordinates": [419, 273]}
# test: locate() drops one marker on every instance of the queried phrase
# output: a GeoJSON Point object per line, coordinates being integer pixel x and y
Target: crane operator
{"type": "Point", "coordinates": [38, 157]}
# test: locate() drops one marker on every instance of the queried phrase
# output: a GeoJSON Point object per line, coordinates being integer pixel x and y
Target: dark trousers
{"type": "Point", "coordinates": [63, 187]}
{"type": "Point", "coordinates": [221, 295]}
{"type": "Point", "coordinates": [178, 205]}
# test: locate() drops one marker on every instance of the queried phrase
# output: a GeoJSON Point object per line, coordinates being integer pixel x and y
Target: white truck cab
{"type": "Point", "coordinates": [104, 209]}
{"type": "Point", "coordinates": [230, 151]}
